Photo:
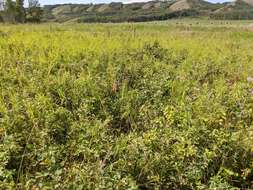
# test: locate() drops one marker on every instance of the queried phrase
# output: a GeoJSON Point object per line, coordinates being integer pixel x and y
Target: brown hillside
{"type": "Point", "coordinates": [180, 5]}
{"type": "Point", "coordinates": [250, 2]}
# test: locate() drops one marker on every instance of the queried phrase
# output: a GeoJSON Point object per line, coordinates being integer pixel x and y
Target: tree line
{"type": "Point", "coordinates": [233, 15]}
{"type": "Point", "coordinates": [15, 12]}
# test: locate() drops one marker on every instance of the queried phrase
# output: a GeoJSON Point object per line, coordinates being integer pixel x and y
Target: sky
{"type": "Point", "coordinates": [48, 2]}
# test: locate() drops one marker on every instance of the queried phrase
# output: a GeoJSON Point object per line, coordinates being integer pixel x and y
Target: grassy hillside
{"type": "Point", "coordinates": [148, 11]}
{"type": "Point", "coordinates": [237, 10]}
{"type": "Point", "coordinates": [145, 11]}
{"type": "Point", "coordinates": [163, 105]}
{"type": "Point", "coordinates": [118, 12]}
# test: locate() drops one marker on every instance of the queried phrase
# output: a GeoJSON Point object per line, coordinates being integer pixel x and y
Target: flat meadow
{"type": "Point", "coordinates": [159, 105]}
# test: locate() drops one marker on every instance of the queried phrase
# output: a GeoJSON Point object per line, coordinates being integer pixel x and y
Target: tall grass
{"type": "Point", "coordinates": [125, 106]}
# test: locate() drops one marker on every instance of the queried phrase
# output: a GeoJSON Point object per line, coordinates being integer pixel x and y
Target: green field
{"type": "Point", "coordinates": [162, 105]}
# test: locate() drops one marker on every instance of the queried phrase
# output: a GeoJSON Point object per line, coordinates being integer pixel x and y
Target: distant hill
{"type": "Point", "coordinates": [240, 9]}
{"type": "Point", "coordinates": [147, 11]}
{"type": "Point", "coordinates": [250, 2]}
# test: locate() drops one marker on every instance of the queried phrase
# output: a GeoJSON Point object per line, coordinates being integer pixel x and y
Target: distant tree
{"type": "Point", "coordinates": [14, 11]}
{"type": "Point", "coordinates": [1, 10]}
{"type": "Point", "coordinates": [34, 11]}
{"type": "Point", "coordinates": [9, 11]}
{"type": "Point", "coordinates": [20, 11]}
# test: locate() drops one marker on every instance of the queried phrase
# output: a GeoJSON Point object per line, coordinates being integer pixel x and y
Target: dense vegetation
{"type": "Point", "coordinates": [130, 106]}
{"type": "Point", "coordinates": [15, 12]}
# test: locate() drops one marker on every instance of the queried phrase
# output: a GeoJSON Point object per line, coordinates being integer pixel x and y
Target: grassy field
{"type": "Point", "coordinates": [163, 105]}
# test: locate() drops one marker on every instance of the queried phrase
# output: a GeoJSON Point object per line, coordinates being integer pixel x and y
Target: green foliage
{"type": "Point", "coordinates": [10, 11]}
{"type": "Point", "coordinates": [34, 11]}
{"type": "Point", "coordinates": [1, 17]}
{"type": "Point", "coordinates": [20, 11]}
{"type": "Point", "coordinates": [16, 13]}
{"type": "Point", "coordinates": [126, 106]}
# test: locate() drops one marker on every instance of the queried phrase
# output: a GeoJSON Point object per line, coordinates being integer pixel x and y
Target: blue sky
{"type": "Point", "coordinates": [46, 2]}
